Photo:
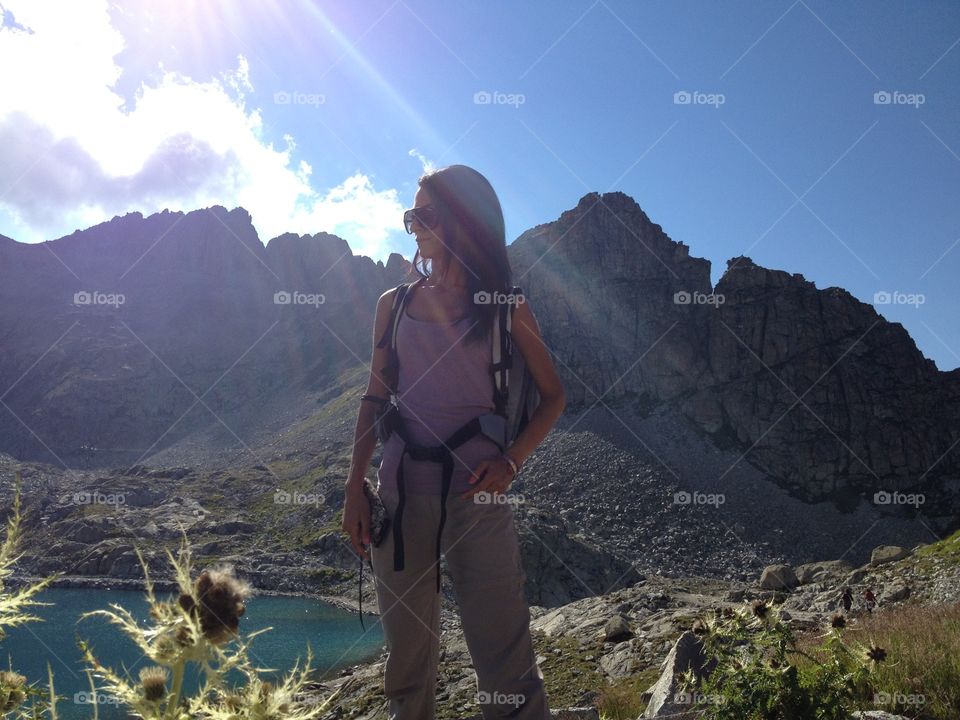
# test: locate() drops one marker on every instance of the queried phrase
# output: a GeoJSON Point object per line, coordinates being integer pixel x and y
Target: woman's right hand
{"type": "Point", "coordinates": [356, 518]}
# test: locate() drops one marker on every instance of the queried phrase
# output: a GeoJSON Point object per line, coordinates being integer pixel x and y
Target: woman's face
{"type": "Point", "coordinates": [429, 240]}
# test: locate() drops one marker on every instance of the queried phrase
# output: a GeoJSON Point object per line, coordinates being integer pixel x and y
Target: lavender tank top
{"type": "Point", "coordinates": [444, 381]}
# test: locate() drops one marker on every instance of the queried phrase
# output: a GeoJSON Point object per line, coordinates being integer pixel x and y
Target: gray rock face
{"type": "Point", "coordinates": [888, 553]}
{"type": "Point", "coordinates": [666, 697]}
{"type": "Point", "coordinates": [621, 661]}
{"type": "Point", "coordinates": [603, 279]}
{"type": "Point", "coordinates": [778, 577]}
{"type": "Point", "coordinates": [823, 392]}
{"type": "Point", "coordinates": [561, 567]}
{"type": "Point", "coordinates": [198, 297]}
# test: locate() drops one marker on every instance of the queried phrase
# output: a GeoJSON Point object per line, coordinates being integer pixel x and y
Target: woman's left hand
{"type": "Point", "coordinates": [493, 475]}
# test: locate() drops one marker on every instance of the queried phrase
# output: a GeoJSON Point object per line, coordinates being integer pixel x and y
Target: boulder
{"type": "Point", "coordinates": [666, 697]}
{"type": "Point", "coordinates": [895, 593]}
{"type": "Point", "coordinates": [821, 571]}
{"type": "Point", "coordinates": [778, 577]}
{"type": "Point", "coordinates": [617, 628]}
{"type": "Point", "coordinates": [856, 577]}
{"type": "Point", "coordinates": [619, 663]}
{"type": "Point", "coordinates": [887, 553]}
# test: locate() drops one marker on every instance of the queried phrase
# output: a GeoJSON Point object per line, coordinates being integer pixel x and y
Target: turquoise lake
{"type": "Point", "coordinates": [334, 635]}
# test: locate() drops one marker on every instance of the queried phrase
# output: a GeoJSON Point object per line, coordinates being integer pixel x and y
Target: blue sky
{"type": "Point", "coordinates": [321, 115]}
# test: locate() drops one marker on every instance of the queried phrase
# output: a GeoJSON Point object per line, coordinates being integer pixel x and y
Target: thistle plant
{"type": "Point", "coordinates": [199, 628]}
{"type": "Point", "coordinates": [761, 673]}
{"type": "Point", "coordinates": [14, 612]}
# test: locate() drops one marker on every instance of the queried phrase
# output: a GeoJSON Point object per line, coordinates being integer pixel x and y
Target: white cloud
{"type": "Point", "coordinates": [427, 165]}
{"type": "Point", "coordinates": [72, 153]}
{"type": "Point", "coordinates": [356, 211]}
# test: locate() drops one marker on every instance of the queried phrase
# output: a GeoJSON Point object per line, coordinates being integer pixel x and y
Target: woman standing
{"type": "Point", "coordinates": [444, 382]}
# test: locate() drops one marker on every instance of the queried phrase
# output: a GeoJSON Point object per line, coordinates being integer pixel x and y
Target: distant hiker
{"type": "Point", "coordinates": [869, 600]}
{"type": "Point", "coordinates": [438, 402]}
{"type": "Point", "coordinates": [846, 598]}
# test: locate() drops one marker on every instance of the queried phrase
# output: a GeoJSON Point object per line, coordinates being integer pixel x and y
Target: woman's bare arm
{"type": "Point", "coordinates": [356, 509]}
{"type": "Point", "coordinates": [364, 436]}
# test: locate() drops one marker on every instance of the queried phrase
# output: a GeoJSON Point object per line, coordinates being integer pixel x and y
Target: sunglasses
{"type": "Point", "coordinates": [426, 215]}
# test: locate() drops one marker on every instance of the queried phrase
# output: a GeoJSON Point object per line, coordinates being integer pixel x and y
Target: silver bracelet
{"type": "Point", "coordinates": [512, 463]}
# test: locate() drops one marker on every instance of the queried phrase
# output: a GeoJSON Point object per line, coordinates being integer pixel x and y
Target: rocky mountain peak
{"type": "Point", "coordinates": [764, 361]}
{"type": "Point", "coordinates": [397, 266]}
{"type": "Point", "coordinates": [741, 262]}
{"type": "Point", "coordinates": [813, 386]}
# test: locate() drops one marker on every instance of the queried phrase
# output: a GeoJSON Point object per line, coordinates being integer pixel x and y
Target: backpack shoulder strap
{"type": "Point", "coordinates": [398, 299]}
{"type": "Point", "coordinates": [389, 338]}
{"type": "Point", "coordinates": [503, 353]}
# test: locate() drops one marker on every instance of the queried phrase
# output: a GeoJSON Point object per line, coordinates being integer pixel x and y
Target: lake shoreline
{"type": "Point", "coordinates": [98, 582]}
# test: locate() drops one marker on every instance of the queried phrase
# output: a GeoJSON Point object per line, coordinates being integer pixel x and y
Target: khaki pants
{"type": "Point", "coordinates": [483, 558]}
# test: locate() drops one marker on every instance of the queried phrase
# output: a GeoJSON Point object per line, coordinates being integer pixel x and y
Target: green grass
{"type": "Point", "coordinates": [306, 534]}
{"type": "Point", "coordinates": [923, 658]}
{"type": "Point", "coordinates": [330, 574]}
{"type": "Point", "coordinates": [947, 549]}
{"type": "Point", "coordinates": [923, 646]}
{"type": "Point", "coordinates": [566, 671]}
{"type": "Point", "coordinates": [622, 700]}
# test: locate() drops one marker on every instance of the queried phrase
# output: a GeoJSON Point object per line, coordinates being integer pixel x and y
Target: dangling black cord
{"type": "Point", "coordinates": [360, 594]}
{"type": "Point", "coordinates": [360, 591]}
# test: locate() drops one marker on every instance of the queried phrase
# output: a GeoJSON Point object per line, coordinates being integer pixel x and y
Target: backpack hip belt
{"type": "Point", "coordinates": [442, 454]}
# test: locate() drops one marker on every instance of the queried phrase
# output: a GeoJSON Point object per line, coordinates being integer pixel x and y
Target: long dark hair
{"type": "Point", "coordinates": [474, 235]}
